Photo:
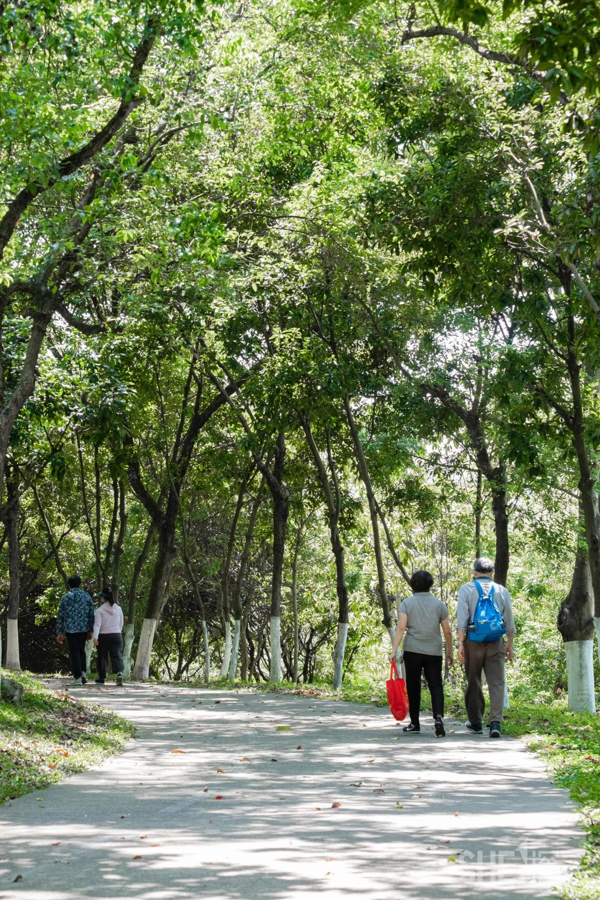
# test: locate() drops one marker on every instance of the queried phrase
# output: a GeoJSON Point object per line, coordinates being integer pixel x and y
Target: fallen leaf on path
{"type": "Point", "coordinates": [143, 837]}
{"type": "Point", "coordinates": [205, 790]}
{"type": "Point", "coordinates": [137, 857]}
{"type": "Point", "coordinates": [219, 797]}
{"type": "Point", "coordinates": [299, 747]}
{"type": "Point", "coordinates": [379, 791]}
{"type": "Point", "coordinates": [57, 844]}
{"type": "Point", "coordinates": [18, 878]}
{"type": "Point", "coordinates": [155, 845]}
{"type": "Point", "coordinates": [273, 759]}
{"type": "Point", "coordinates": [356, 783]}
{"type": "Point", "coordinates": [457, 814]}
{"type": "Point", "coordinates": [178, 751]}
{"type": "Point", "coordinates": [219, 770]}
{"type": "Point", "coordinates": [335, 805]}
{"type": "Point", "coordinates": [244, 759]}
{"type": "Point", "coordinates": [452, 858]}
{"type": "Point", "coordinates": [329, 858]}
{"type": "Point", "coordinates": [399, 806]}
{"type": "Point", "coordinates": [318, 808]}
{"type": "Point", "coordinates": [283, 728]}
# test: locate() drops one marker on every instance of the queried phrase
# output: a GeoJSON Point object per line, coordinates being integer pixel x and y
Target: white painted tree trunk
{"type": "Point", "coordinates": [127, 648]}
{"type": "Point", "coordinates": [227, 651]}
{"type": "Point", "coordinates": [597, 627]}
{"type": "Point", "coordinates": [89, 646]}
{"type": "Point", "coordinates": [275, 673]}
{"type": "Point", "coordinates": [338, 655]}
{"type": "Point", "coordinates": [235, 650]}
{"type": "Point", "coordinates": [13, 659]}
{"type": "Point", "coordinates": [580, 676]}
{"type": "Point", "coordinates": [206, 652]}
{"type": "Point", "coordinates": [141, 669]}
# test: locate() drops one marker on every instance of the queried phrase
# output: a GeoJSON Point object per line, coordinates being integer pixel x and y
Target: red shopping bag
{"type": "Point", "coordinates": [396, 694]}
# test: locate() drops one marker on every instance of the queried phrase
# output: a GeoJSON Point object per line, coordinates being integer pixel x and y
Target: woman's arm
{"type": "Point", "coordinates": [402, 622]}
{"type": "Point", "coordinates": [448, 636]}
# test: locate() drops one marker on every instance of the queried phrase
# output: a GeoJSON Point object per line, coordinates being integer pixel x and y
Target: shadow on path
{"type": "Point", "coordinates": [243, 810]}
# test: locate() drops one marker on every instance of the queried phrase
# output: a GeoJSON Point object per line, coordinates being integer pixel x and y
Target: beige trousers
{"type": "Point", "coordinates": [488, 658]}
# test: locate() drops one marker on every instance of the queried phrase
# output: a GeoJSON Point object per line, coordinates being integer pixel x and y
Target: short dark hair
{"type": "Point", "coordinates": [75, 581]}
{"type": "Point", "coordinates": [484, 564]}
{"type": "Point", "coordinates": [421, 581]}
{"type": "Point", "coordinates": [107, 593]}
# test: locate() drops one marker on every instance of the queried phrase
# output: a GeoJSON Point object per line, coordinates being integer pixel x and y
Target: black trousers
{"type": "Point", "coordinates": [415, 663]}
{"type": "Point", "coordinates": [109, 644]}
{"type": "Point", "coordinates": [76, 641]}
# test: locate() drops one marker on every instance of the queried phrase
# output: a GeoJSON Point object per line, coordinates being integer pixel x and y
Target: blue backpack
{"type": "Point", "coordinates": [488, 624]}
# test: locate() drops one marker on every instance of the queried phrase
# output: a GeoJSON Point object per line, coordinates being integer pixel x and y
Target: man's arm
{"type": "Point", "coordinates": [510, 623]}
{"type": "Point", "coordinates": [462, 620]}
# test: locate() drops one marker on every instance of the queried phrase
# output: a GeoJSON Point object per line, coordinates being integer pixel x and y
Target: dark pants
{"type": "Point", "coordinates": [76, 641]}
{"type": "Point", "coordinates": [488, 658]}
{"type": "Point", "coordinates": [414, 664]}
{"type": "Point", "coordinates": [109, 643]}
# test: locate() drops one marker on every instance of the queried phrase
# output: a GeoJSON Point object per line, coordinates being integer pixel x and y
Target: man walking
{"type": "Point", "coordinates": [483, 651]}
{"type": "Point", "coordinates": [76, 620]}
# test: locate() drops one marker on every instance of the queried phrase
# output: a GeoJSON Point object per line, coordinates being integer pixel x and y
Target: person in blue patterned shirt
{"type": "Point", "coordinates": [76, 620]}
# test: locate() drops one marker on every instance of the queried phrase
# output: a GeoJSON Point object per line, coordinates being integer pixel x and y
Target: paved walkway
{"type": "Point", "coordinates": [241, 796]}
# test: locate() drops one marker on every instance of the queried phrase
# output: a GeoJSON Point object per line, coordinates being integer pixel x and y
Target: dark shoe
{"type": "Point", "coordinates": [119, 680]}
{"type": "Point", "coordinates": [83, 678]}
{"type": "Point", "coordinates": [440, 731]}
{"type": "Point", "coordinates": [474, 728]}
{"type": "Point", "coordinates": [99, 681]}
{"type": "Point", "coordinates": [495, 729]}
{"type": "Point", "coordinates": [412, 729]}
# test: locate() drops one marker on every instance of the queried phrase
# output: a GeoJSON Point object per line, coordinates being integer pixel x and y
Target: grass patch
{"type": "Point", "coordinates": [52, 735]}
{"type": "Point", "coordinates": [570, 744]}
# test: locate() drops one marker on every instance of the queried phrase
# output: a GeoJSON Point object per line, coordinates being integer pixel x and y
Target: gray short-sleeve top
{"type": "Point", "coordinates": [425, 615]}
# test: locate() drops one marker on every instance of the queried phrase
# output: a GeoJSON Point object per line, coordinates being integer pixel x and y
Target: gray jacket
{"type": "Point", "coordinates": [467, 603]}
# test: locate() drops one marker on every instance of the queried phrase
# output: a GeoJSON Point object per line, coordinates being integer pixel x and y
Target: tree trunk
{"type": "Point", "coordinates": [576, 625]}
{"type": "Point", "coordinates": [226, 651]}
{"type": "Point", "coordinates": [363, 470]}
{"type": "Point", "coordinates": [237, 606]}
{"type": "Point", "coordinates": [117, 549]}
{"type": "Point", "coordinates": [225, 611]}
{"type": "Point", "coordinates": [331, 492]}
{"type": "Point", "coordinates": [206, 651]}
{"type": "Point", "coordinates": [127, 648]}
{"type": "Point", "coordinates": [281, 509]}
{"type": "Point", "coordinates": [478, 512]}
{"type": "Point", "coordinates": [13, 659]}
{"type": "Point", "coordinates": [500, 525]}
{"type": "Point", "coordinates": [156, 596]}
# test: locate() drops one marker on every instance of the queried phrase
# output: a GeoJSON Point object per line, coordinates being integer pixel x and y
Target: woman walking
{"type": "Point", "coordinates": [108, 625]}
{"type": "Point", "coordinates": [419, 620]}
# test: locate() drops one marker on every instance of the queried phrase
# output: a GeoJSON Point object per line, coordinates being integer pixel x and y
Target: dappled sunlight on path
{"type": "Point", "coordinates": [230, 795]}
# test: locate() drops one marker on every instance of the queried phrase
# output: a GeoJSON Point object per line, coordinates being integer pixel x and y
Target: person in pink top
{"type": "Point", "coordinates": [108, 625]}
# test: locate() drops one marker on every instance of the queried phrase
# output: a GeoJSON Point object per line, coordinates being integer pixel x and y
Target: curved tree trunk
{"type": "Point", "coordinates": [363, 470]}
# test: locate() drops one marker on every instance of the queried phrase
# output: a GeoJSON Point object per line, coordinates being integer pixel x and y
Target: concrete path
{"type": "Point", "coordinates": [214, 801]}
